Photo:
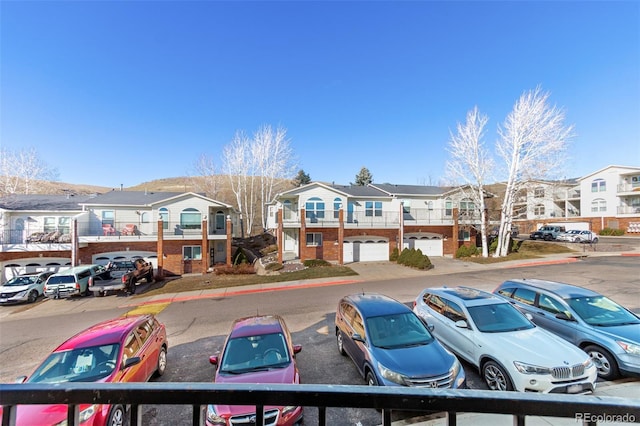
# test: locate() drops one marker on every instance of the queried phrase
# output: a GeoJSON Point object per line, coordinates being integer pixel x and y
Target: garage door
{"type": "Point", "coordinates": [366, 250]}
{"type": "Point", "coordinates": [430, 245]}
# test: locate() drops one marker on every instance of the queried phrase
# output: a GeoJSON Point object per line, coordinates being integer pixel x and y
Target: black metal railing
{"type": "Point", "coordinates": [584, 409]}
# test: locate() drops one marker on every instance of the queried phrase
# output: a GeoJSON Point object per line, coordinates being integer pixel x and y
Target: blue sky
{"type": "Point", "coordinates": [94, 86]}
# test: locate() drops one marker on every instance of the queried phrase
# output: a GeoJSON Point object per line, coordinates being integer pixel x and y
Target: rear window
{"type": "Point", "coordinates": [61, 279]}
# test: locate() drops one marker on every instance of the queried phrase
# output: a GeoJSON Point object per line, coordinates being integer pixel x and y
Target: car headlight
{"type": "Point", "coordinates": [288, 409]}
{"type": "Point", "coordinates": [629, 348]}
{"type": "Point", "coordinates": [85, 415]}
{"type": "Point", "coordinates": [213, 417]}
{"type": "Point", "coordinates": [21, 294]}
{"type": "Point", "coordinates": [455, 368]}
{"type": "Point", "coordinates": [391, 375]}
{"type": "Point", "coordinates": [531, 369]}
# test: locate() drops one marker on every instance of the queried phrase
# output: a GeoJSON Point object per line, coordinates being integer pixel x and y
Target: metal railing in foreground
{"type": "Point", "coordinates": [582, 408]}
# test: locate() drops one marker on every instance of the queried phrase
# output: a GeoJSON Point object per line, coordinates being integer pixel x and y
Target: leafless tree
{"type": "Point", "coordinates": [471, 164]}
{"type": "Point", "coordinates": [237, 164]}
{"type": "Point", "coordinates": [532, 142]}
{"type": "Point", "coordinates": [20, 169]}
{"type": "Point", "coordinates": [207, 178]}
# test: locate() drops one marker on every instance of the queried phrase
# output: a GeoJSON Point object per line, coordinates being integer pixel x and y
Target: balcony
{"type": "Point", "coordinates": [628, 188]}
{"type": "Point", "coordinates": [320, 397]}
{"type": "Point", "coordinates": [376, 219]}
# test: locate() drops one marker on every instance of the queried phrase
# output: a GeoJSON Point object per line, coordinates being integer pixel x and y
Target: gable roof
{"type": "Point", "coordinates": [626, 169]}
{"type": "Point", "coordinates": [45, 202]}
{"type": "Point", "coordinates": [410, 190]}
{"type": "Point", "coordinates": [142, 198]}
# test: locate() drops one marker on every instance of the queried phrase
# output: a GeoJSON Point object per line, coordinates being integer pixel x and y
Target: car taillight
{"type": "Point", "coordinates": [77, 286]}
{"type": "Point", "coordinates": [124, 278]}
{"type": "Point", "coordinates": [90, 281]}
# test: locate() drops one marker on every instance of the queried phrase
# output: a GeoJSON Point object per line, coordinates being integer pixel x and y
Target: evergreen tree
{"type": "Point", "coordinates": [301, 178]}
{"type": "Point", "coordinates": [364, 177]}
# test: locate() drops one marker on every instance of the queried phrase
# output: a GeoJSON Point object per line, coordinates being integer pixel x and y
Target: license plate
{"type": "Point", "coordinates": [574, 389]}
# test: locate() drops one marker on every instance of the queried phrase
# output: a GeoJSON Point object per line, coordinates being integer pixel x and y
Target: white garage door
{"type": "Point", "coordinates": [431, 245]}
{"type": "Point", "coordinates": [369, 250]}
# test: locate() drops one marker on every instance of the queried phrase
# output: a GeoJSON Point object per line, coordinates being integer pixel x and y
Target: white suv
{"type": "Point", "coordinates": [510, 351]}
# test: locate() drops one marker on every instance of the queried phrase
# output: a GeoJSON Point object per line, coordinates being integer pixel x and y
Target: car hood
{"type": "Point", "coordinates": [277, 375]}
{"type": "Point", "coordinates": [524, 346]}
{"type": "Point", "coordinates": [416, 361]}
{"type": "Point", "coordinates": [628, 332]}
{"type": "Point", "coordinates": [14, 288]}
{"type": "Point", "coordinates": [42, 414]}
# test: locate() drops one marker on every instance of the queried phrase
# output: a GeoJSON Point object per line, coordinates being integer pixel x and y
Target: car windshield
{"type": "Point", "coordinates": [18, 281]}
{"type": "Point", "coordinates": [397, 331]}
{"type": "Point", "coordinates": [255, 353]}
{"type": "Point", "coordinates": [498, 318]}
{"type": "Point", "coordinates": [77, 365]}
{"type": "Point", "coordinates": [601, 311]}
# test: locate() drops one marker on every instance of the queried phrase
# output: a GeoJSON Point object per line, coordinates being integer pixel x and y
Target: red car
{"type": "Point", "coordinates": [125, 349]}
{"type": "Point", "coordinates": [258, 350]}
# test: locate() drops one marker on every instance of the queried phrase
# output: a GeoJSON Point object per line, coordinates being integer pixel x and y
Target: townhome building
{"type": "Point", "coordinates": [178, 232]}
{"type": "Point", "coordinates": [353, 223]}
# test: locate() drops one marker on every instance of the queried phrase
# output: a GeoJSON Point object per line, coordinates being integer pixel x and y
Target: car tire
{"type": "Point", "coordinates": [371, 379]}
{"type": "Point", "coordinates": [340, 343]}
{"type": "Point", "coordinates": [32, 297]}
{"type": "Point", "coordinates": [116, 416]}
{"type": "Point", "coordinates": [548, 237]}
{"type": "Point", "coordinates": [594, 241]}
{"type": "Point", "coordinates": [604, 361]}
{"type": "Point", "coordinates": [495, 377]}
{"type": "Point", "coordinates": [162, 362]}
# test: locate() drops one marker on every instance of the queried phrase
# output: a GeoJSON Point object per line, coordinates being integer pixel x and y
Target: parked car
{"type": "Point", "coordinates": [122, 275]}
{"type": "Point", "coordinates": [391, 346]}
{"type": "Point", "coordinates": [607, 331]}
{"type": "Point", "coordinates": [547, 233]}
{"type": "Point", "coordinates": [568, 235]}
{"type": "Point", "coordinates": [124, 349]}
{"type": "Point", "coordinates": [586, 237]}
{"type": "Point", "coordinates": [257, 350]}
{"type": "Point", "coordinates": [72, 281]}
{"type": "Point", "coordinates": [23, 288]}
{"type": "Point", "coordinates": [510, 352]}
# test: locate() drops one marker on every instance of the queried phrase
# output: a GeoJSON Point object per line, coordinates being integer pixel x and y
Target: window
{"type": "Point", "coordinates": [337, 205]}
{"type": "Point", "coordinates": [466, 207]}
{"type": "Point", "coordinates": [64, 225]}
{"type": "Point", "coordinates": [599, 185]}
{"type": "Point", "coordinates": [448, 207]}
{"type": "Point", "coordinates": [108, 217]}
{"type": "Point", "coordinates": [464, 235]}
{"type": "Point", "coordinates": [220, 220]}
{"type": "Point", "coordinates": [314, 208]}
{"type": "Point", "coordinates": [453, 312]}
{"type": "Point", "coordinates": [538, 210]}
{"type": "Point", "coordinates": [144, 217]}
{"type": "Point", "coordinates": [549, 304]}
{"type": "Point", "coordinates": [525, 296]}
{"type": "Point", "coordinates": [373, 208]}
{"type": "Point", "coordinates": [192, 253]}
{"type": "Point", "coordinates": [131, 346]}
{"type": "Point", "coordinates": [538, 192]}
{"type": "Point", "coordinates": [406, 206]}
{"type": "Point", "coordinates": [435, 303]}
{"type": "Point", "coordinates": [314, 239]}
{"type": "Point", "coordinates": [163, 214]}
{"type": "Point", "coordinates": [190, 219]}
{"type": "Point", "coordinates": [598, 205]}
{"type": "Point", "coordinates": [49, 224]}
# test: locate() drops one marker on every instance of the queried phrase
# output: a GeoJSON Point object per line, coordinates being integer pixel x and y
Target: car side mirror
{"type": "Point", "coordinates": [430, 327]}
{"type": "Point", "coordinates": [297, 349]}
{"type": "Point", "coordinates": [461, 324]}
{"type": "Point", "coordinates": [563, 316]}
{"type": "Point", "coordinates": [528, 316]}
{"type": "Point", "coordinates": [357, 338]}
{"type": "Point", "coordinates": [213, 359]}
{"type": "Point", "coordinates": [130, 361]}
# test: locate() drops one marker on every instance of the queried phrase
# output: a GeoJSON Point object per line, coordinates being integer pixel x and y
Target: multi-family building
{"type": "Point", "coordinates": [178, 232]}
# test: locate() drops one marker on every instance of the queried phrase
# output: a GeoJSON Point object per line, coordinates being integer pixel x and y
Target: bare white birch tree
{"type": "Point", "coordinates": [20, 169]}
{"type": "Point", "coordinates": [532, 142]}
{"type": "Point", "coordinates": [471, 164]}
{"type": "Point", "coordinates": [207, 178]}
{"type": "Point", "coordinates": [237, 164]}
{"type": "Point", "coordinates": [273, 158]}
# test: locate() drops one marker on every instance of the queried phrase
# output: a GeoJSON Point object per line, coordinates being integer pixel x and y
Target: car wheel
{"type": "Point", "coordinates": [495, 377]}
{"type": "Point", "coordinates": [340, 343]}
{"type": "Point", "coordinates": [32, 297]}
{"type": "Point", "coordinates": [87, 292]}
{"type": "Point", "coordinates": [371, 379]}
{"type": "Point", "coordinates": [547, 237]}
{"type": "Point", "coordinates": [606, 364]}
{"type": "Point", "coordinates": [116, 416]}
{"type": "Point", "coordinates": [595, 240]}
{"type": "Point", "coordinates": [162, 362]}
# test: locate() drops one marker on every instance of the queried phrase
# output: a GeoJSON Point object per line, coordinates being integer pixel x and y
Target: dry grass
{"type": "Point", "coordinates": [527, 250]}
{"type": "Point", "coordinates": [212, 281]}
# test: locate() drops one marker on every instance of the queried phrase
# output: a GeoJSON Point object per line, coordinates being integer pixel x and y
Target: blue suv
{"type": "Point", "coordinates": [608, 332]}
{"type": "Point", "coordinates": [391, 346]}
